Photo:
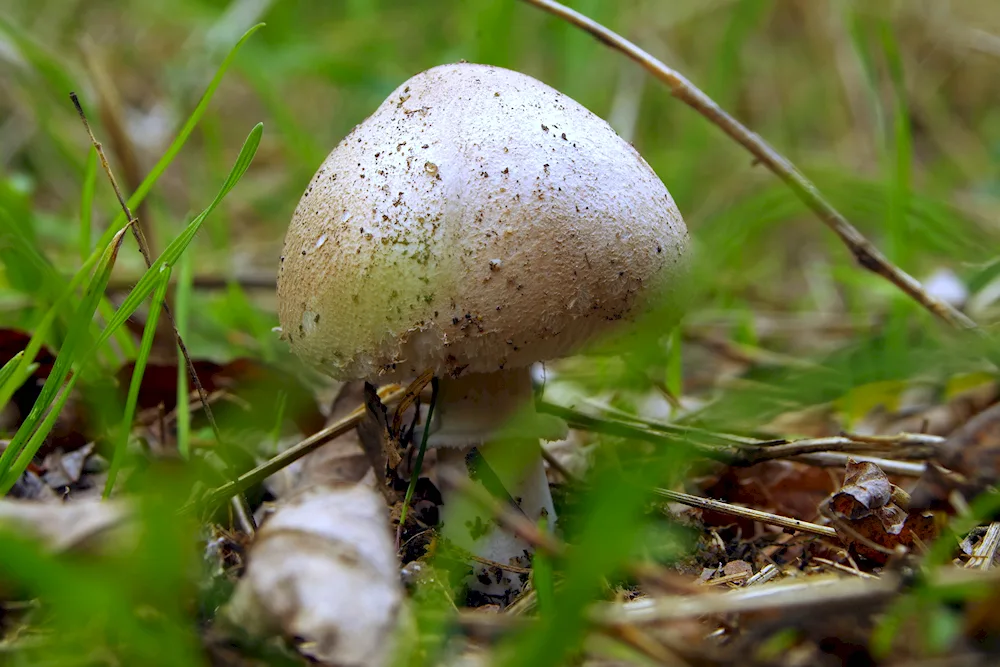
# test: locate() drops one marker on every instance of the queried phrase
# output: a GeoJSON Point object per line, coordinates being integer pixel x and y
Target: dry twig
{"type": "Point", "coordinates": [729, 448]}
{"type": "Point", "coordinates": [747, 513]}
{"type": "Point", "coordinates": [866, 254]}
{"type": "Point", "coordinates": [817, 594]}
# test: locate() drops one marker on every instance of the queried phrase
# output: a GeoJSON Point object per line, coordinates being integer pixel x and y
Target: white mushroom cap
{"type": "Point", "coordinates": [478, 220]}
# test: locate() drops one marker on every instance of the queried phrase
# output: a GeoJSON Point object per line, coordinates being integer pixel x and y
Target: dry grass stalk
{"type": "Point", "coordinates": [866, 254]}
{"type": "Point", "coordinates": [747, 513]}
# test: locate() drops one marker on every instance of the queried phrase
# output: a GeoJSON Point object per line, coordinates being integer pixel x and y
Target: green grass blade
{"type": "Point", "coordinates": [543, 578]}
{"type": "Point", "coordinates": [41, 330]}
{"type": "Point", "coordinates": [418, 464]}
{"type": "Point", "coordinates": [44, 63]}
{"type": "Point", "coordinates": [182, 308]}
{"type": "Point", "coordinates": [148, 334]}
{"type": "Point", "coordinates": [161, 166]}
{"type": "Point", "coordinates": [126, 342]}
{"type": "Point", "coordinates": [8, 370]}
{"type": "Point", "coordinates": [38, 437]}
{"type": "Point", "coordinates": [87, 204]}
{"type": "Point", "coordinates": [173, 252]}
{"type": "Point", "coordinates": [68, 354]}
{"type": "Point", "coordinates": [675, 374]}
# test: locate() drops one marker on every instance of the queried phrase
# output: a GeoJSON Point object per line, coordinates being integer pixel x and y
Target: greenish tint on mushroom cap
{"type": "Point", "coordinates": [478, 220]}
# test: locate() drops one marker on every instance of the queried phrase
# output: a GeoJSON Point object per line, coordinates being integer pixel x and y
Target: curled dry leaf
{"type": "Point", "coordinates": [323, 569]}
{"type": "Point", "coordinates": [873, 519]}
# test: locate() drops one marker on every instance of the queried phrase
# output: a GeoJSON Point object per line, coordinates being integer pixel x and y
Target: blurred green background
{"type": "Point", "coordinates": [890, 107]}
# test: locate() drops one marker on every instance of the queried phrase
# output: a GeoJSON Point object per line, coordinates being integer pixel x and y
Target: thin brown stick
{"type": "Point", "coordinates": [866, 254]}
{"type": "Point", "coordinates": [493, 564]}
{"type": "Point", "coordinates": [737, 578]}
{"type": "Point", "coordinates": [250, 281]}
{"type": "Point", "coordinates": [747, 513]}
{"type": "Point", "coordinates": [241, 507]}
{"type": "Point", "coordinates": [389, 395]}
{"type": "Point", "coordinates": [840, 567]}
{"type": "Point", "coordinates": [559, 467]}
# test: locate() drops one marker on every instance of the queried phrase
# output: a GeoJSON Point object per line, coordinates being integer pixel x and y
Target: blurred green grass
{"type": "Point", "coordinates": [890, 110]}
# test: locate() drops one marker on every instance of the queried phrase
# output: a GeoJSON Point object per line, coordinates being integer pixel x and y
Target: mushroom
{"type": "Point", "coordinates": [479, 221]}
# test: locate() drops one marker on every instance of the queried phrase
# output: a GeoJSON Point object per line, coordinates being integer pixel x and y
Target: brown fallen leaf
{"type": "Point", "coordinates": [871, 514]}
{"type": "Point", "coordinates": [72, 429]}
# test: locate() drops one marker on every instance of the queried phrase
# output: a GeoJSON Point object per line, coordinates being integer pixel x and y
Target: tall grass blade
{"type": "Point", "coordinates": [147, 283]}
{"type": "Point", "coordinates": [38, 437]}
{"type": "Point", "coordinates": [8, 370]}
{"type": "Point", "coordinates": [68, 354]}
{"type": "Point", "coordinates": [148, 334]}
{"type": "Point", "coordinates": [87, 204]}
{"type": "Point", "coordinates": [182, 307]}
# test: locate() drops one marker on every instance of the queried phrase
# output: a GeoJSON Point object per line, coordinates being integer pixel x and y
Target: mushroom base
{"type": "Point", "coordinates": [527, 485]}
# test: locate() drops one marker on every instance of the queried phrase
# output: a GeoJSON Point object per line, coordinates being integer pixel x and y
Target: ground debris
{"type": "Point", "coordinates": [872, 515]}
{"type": "Point", "coordinates": [969, 462]}
{"type": "Point", "coordinates": [323, 571]}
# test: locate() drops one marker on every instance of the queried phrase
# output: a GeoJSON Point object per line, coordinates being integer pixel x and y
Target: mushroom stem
{"type": "Point", "coordinates": [480, 534]}
{"type": "Point", "coordinates": [492, 413]}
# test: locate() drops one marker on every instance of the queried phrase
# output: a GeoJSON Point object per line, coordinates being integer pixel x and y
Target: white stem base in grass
{"type": "Point", "coordinates": [493, 413]}
{"type": "Point", "coordinates": [479, 534]}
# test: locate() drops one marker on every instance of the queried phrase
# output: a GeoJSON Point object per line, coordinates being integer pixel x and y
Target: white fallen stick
{"type": "Point", "coordinates": [323, 569]}
{"type": "Point", "coordinates": [64, 526]}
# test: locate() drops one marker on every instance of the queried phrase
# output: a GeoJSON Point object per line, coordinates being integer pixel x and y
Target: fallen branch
{"type": "Point", "coordinates": [389, 395]}
{"type": "Point", "coordinates": [816, 594]}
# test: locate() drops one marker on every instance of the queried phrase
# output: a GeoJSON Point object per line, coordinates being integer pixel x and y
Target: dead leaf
{"type": "Point", "coordinates": [737, 567]}
{"type": "Point", "coordinates": [865, 488]}
{"type": "Point", "coordinates": [868, 518]}
{"type": "Point", "coordinates": [83, 524]}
